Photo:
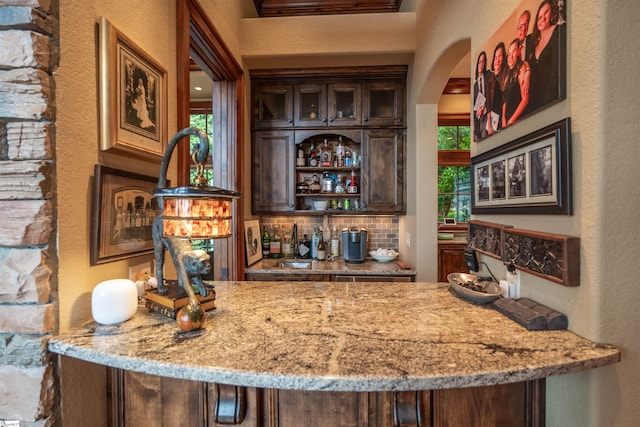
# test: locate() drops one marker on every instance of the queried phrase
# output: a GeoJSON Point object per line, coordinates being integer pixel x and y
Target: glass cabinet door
{"type": "Point", "coordinates": [310, 105]}
{"type": "Point", "coordinates": [273, 106]}
{"type": "Point", "coordinates": [344, 104]}
{"type": "Point", "coordinates": [384, 103]}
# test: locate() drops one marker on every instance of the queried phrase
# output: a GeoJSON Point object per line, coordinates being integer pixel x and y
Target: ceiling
{"type": "Point", "coordinates": [281, 8]}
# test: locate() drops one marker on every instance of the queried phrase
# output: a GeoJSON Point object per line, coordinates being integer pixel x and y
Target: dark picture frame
{"type": "Point", "coordinates": [521, 53]}
{"type": "Point", "coordinates": [252, 241]}
{"type": "Point", "coordinates": [133, 97]}
{"type": "Point", "coordinates": [123, 211]}
{"type": "Point", "coordinates": [542, 185]}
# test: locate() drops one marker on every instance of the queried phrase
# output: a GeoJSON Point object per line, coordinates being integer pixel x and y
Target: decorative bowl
{"type": "Point", "coordinates": [320, 205]}
{"type": "Point", "coordinates": [384, 255]}
{"type": "Point", "coordinates": [462, 284]}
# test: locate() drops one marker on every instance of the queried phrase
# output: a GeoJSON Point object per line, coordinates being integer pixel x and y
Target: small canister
{"type": "Point", "coordinates": [347, 204]}
{"type": "Point", "coordinates": [327, 184]}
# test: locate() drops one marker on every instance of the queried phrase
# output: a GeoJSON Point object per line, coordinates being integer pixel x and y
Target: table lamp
{"type": "Point", "coordinates": [194, 212]}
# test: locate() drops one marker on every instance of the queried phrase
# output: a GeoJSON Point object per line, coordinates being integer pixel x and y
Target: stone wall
{"type": "Point", "coordinates": [28, 253]}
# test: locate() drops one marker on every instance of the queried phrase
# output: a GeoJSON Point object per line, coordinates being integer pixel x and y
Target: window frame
{"type": "Point", "coordinates": [454, 157]}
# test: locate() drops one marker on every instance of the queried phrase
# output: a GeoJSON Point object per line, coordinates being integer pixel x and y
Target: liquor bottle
{"type": "Point", "coordinates": [315, 239]}
{"type": "Point", "coordinates": [352, 188]}
{"type": "Point", "coordinates": [335, 242]}
{"type": "Point", "coordinates": [287, 246]}
{"type": "Point", "coordinates": [266, 242]}
{"type": "Point", "coordinates": [322, 250]}
{"type": "Point", "coordinates": [325, 154]}
{"type": "Point", "coordinates": [340, 152]}
{"type": "Point", "coordinates": [313, 159]}
{"type": "Point", "coordinates": [275, 244]}
{"type": "Point", "coordinates": [304, 250]}
{"type": "Point", "coordinates": [302, 187]}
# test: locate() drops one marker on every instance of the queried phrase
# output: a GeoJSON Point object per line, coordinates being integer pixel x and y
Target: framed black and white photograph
{"type": "Point", "coordinates": [497, 180]}
{"type": "Point", "coordinates": [252, 241]}
{"type": "Point", "coordinates": [133, 97]}
{"type": "Point", "coordinates": [521, 68]}
{"type": "Point", "coordinates": [531, 175]}
{"type": "Point", "coordinates": [124, 209]}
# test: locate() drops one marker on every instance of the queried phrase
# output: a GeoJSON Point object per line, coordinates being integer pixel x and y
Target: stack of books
{"type": "Point", "coordinates": [170, 303]}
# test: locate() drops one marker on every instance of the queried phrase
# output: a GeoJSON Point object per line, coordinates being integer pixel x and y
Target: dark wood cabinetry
{"type": "Point", "coordinates": [293, 109]}
{"type": "Point", "coordinates": [451, 259]}
{"type": "Point", "coordinates": [383, 171]}
{"type": "Point", "coordinates": [273, 171]}
{"type": "Point", "coordinates": [141, 399]}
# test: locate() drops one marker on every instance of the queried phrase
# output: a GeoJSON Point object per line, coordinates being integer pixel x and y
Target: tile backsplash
{"type": "Point", "coordinates": [383, 230]}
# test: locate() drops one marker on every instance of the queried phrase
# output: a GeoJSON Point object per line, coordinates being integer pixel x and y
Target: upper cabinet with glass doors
{"type": "Point", "coordinates": [324, 100]}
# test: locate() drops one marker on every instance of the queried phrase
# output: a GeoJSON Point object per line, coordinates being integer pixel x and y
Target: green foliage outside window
{"type": "Point", "coordinates": [203, 122]}
{"type": "Point", "coordinates": [454, 182]}
{"type": "Point", "coordinates": [454, 137]}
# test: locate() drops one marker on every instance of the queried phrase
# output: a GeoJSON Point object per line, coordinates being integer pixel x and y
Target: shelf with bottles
{"type": "Point", "coordinates": [328, 183]}
{"type": "Point", "coordinates": [328, 151]}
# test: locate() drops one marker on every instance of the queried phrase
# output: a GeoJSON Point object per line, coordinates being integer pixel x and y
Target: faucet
{"type": "Point", "coordinates": [294, 237]}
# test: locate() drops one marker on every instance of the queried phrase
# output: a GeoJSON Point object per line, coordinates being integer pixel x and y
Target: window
{"type": "Point", "coordinates": [203, 121]}
{"type": "Point", "coordinates": [454, 171]}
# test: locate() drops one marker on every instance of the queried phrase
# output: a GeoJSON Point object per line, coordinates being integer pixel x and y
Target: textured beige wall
{"type": "Point", "coordinates": [151, 25]}
{"type": "Point", "coordinates": [601, 101]}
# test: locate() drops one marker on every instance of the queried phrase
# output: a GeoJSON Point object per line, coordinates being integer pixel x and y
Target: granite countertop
{"type": "Point", "coordinates": [369, 336]}
{"type": "Point", "coordinates": [339, 266]}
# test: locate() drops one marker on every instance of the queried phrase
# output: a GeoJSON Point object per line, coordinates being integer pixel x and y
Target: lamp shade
{"type": "Point", "coordinates": [196, 213]}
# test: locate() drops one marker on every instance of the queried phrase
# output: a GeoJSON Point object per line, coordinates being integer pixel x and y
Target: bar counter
{"type": "Point", "coordinates": [369, 336]}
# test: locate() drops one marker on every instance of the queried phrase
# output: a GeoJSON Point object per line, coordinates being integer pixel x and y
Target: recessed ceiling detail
{"type": "Point", "coordinates": [272, 8]}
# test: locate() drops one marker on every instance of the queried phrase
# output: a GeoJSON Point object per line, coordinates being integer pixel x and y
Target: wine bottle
{"type": "Point", "coordinates": [335, 242]}
{"type": "Point", "coordinates": [322, 250]}
{"type": "Point", "coordinates": [275, 244]}
{"type": "Point", "coordinates": [266, 242]}
{"type": "Point", "coordinates": [315, 239]}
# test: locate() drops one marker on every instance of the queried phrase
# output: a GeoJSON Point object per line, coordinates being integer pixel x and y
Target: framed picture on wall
{"type": "Point", "coordinates": [133, 97]}
{"type": "Point", "coordinates": [123, 212]}
{"type": "Point", "coordinates": [521, 68]}
{"type": "Point", "coordinates": [252, 241]}
{"type": "Point", "coordinates": [531, 175]}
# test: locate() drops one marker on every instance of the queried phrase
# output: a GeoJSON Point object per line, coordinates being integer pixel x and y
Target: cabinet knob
{"type": "Point", "coordinates": [290, 121]}
{"type": "Point", "coordinates": [324, 120]}
{"type": "Point", "coordinates": [366, 119]}
{"type": "Point", "coordinates": [331, 119]}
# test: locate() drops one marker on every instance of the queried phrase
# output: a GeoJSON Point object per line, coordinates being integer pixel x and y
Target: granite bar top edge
{"type": "Point", "coordinates": [141, 345]}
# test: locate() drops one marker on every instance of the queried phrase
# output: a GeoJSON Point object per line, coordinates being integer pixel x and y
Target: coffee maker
{"type": "Point", "coordinates": [354, 245]}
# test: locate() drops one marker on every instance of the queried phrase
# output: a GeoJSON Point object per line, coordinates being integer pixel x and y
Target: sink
{"type": "Point", "coordinates": [293, 264]}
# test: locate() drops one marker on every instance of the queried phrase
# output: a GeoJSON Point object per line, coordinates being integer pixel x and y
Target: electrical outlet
{"type": "Point", "coordinates": [407, 239]}
{"type": "Point", "coordinates": [138, 271]}
{"type": "Point", "coordinates": [517, 284]}
{"type": "Point", "coordinates": [513, 277]}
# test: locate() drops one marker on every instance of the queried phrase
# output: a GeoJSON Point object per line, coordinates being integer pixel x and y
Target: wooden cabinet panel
{"type": "Point", "coordinates": [499, 405]}
{"type": "Point", "coordinates": [272, 106]}
{"type": "Point", "coordinates": [383, 171]}
{"type": "Point", "coordinates": [451, 260]}
{"type": "Point", "coordinates": [344, 104]}
{"type": "Point", "coordinates": [310, 105]}
{"type": "Point", "coordinates": [273, 171]}
{"type": "Point", "coordinates": [144, 400]}
{"type": "Point", "coordinates": [384, 103]}
{"type": "Point", "coordinates": [149, 400]}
